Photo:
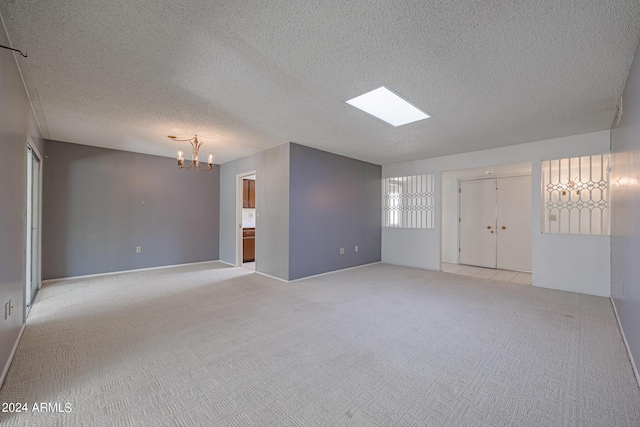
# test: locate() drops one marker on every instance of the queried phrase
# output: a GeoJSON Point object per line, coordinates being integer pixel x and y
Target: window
{"type": "Point", "coordinates": [576, 195]}
{"type": "Point", "coordinates": [409, 201]}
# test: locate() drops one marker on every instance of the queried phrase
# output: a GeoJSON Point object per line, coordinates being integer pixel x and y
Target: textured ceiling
{"type": "Point", "coordinates": [249, 75]}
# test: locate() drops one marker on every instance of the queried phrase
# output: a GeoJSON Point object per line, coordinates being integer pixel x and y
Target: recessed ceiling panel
{"type": "Point", "coordinates": [388, 106]}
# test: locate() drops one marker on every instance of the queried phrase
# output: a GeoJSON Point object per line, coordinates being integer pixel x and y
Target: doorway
{"type": "Point", "coordinates": [495, 223]}
{"type": "Point", "coordinates": [33, 223]}
{"type": "Point", "coordinates": [246, 215]}
{"type": "Point", "coordinates": [476, 204]}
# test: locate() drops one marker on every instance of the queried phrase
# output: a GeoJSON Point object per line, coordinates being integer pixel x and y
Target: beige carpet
{"type": "Point", "coordinates": [381, 345]}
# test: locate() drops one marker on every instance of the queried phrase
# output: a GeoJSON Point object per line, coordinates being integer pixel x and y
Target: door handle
{"type": "Point", "coordinates": [504, 227]}
{"type": "Point", "coordinates": [488, 227]}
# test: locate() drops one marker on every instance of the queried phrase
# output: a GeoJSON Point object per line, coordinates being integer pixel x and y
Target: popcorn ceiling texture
{"type": "Point", "coordinates": [249, 75]}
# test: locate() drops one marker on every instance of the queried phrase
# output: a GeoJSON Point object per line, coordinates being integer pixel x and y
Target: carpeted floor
{"type": "Point", "coordinates": [380, 345]}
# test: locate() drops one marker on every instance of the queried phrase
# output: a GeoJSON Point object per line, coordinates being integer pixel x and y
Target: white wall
{"type": "Point", "coordinates": [566, 262]}
{"type": "Point", "coordinates": [625, 206]}
{"type": "Point", "coordinates": [248, 218]}
{"type": "Point", "coordinates": [272, 209]}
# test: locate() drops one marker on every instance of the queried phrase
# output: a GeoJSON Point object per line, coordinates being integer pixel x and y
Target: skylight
{"type": "Point", "coordinates": [388, 106]}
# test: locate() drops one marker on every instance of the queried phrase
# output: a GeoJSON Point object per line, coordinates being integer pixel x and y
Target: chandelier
{"type": "Point", "coordinates": [195, 164]}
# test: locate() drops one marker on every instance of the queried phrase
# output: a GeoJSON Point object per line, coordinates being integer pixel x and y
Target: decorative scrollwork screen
{"type": "Point", "coordinates": [576, 195]}
{"type": "Point", "coordinates": [409, 201]}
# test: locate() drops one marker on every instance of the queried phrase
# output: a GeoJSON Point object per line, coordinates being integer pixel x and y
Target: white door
{"type": "Point", "coordinates": [514, 223]}
{"type": "Point", "coordinates": [478, 223]}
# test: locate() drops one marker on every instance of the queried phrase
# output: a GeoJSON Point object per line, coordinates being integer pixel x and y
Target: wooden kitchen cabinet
{"type": "Point", "coordinates": [248, 244]}
{"type": "Point", "coordinates": [248, 193]}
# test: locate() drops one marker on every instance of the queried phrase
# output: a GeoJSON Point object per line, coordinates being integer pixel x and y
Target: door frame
{"type": "Point", "coordinates": [239, 215]}
{"type": "Point", "coordinates": [27, 233]}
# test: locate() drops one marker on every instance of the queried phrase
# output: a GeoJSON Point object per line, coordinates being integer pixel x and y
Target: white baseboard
{"type": "Point", "coordinates": [89, 276]}
{"type": "Point", "coordinates": [272, 277]}
{"type": "Point", "coordinates": [626, 344]}
{"type": "Point", "coordinates": [13, 353]}
{"type": "Point", "coordinates": [334, 271]}
{"type": "Point", "coordinates": [316, 275]}
{"type": "Point", "coordinates": [577, 291]}
{"type": "Point", "coordinates": [228, 263]}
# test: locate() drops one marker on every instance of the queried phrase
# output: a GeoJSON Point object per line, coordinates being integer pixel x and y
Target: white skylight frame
{"type": "Point", "coordinates": [388, 106]}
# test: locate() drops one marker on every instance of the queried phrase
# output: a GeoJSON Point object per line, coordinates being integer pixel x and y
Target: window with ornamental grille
{"type": "Point", "coordinates": [576, 195]}
{"type": "Point", "coordinates": [409, 201]}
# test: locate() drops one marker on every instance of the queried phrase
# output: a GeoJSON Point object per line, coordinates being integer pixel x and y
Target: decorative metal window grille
{"type": "Point", "coordinates": [576, 195]}
{"type": "Point", "coordinates": [409, 201]}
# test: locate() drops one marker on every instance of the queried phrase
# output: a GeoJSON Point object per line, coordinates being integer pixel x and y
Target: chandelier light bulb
{"type": "Point", "coordinates": [195, 164]}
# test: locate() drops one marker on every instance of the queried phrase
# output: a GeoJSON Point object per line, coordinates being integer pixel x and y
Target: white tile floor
{"type": "Point", "coordinates": [488, 273]}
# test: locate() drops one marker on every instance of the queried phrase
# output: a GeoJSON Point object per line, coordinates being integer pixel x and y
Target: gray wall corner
{"type": "Point", "coordinates": [335, 202]}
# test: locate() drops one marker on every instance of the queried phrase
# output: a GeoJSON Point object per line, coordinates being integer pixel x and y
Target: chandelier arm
{"type": "Point", "coordinates": [207, 169]}
{"type": "Point", "coordinates": [183, 140]}
{"type": "Point", "coordinates": [197, 167]}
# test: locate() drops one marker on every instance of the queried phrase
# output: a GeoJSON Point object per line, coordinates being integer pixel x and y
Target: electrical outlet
{"type": "Point", "coordinates": [553, 217]}
{"type": "Point", "coordinates": [341, 251]}
{"type": "Point", "coordinates": [138, 249]}
{"type": "Point", "coordinates": [356, 248]}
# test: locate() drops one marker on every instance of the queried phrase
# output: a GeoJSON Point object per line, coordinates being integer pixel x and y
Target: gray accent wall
{"type": "Point", "coordinates": [272, 209]}
{"type": "Point", "coordinates": [17, 124]}
{"type": "Point", "coordinates": [100, 204]}
{"type": "Point", "coordinates": [335, 202]}
{"type": "Point", "coordinates": [625, 211]}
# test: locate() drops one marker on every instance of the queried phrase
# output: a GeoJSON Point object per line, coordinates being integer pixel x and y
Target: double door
{"type": "Point", "coordinates": [495, 223]}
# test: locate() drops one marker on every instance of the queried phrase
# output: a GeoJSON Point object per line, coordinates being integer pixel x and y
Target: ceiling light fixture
{"type": "Point", "coordinates": [574, 185]}
{"type": "Point", "coordinates": [388, 106]}
{"type": "Point", "coordinates": [195, 164]}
